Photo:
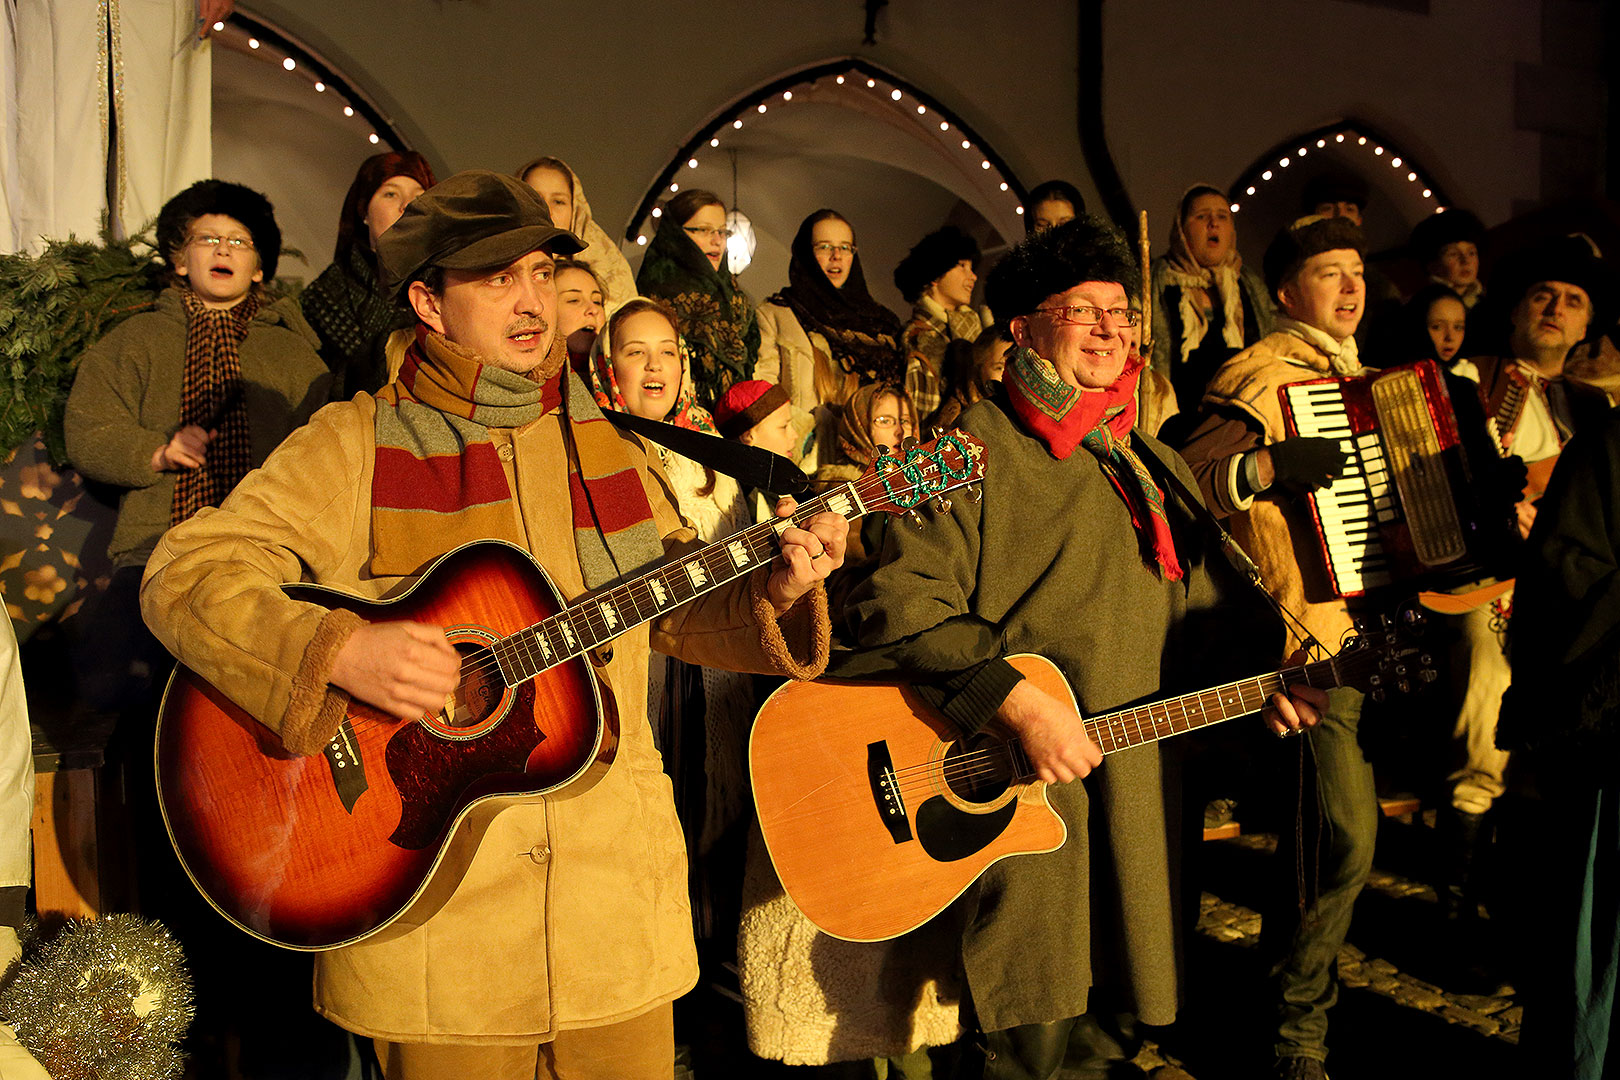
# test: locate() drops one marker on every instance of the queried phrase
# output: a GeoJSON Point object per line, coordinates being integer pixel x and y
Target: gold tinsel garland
{"type": "Point", "coordinates": [108, 999]}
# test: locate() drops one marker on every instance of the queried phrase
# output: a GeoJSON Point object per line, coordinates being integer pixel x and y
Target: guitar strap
{"type": "Point", "coordinates": [1164, 474]}
{"type": "Point", "coordinates": [750, 466]}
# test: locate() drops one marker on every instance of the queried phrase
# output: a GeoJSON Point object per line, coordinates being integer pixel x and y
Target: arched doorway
{"type": "Point", "coordinates": [1401, 192]}
{"type": "Point", "coordinates": [287, 123]}
{"type": "Point", "coordinates": [848, 135]}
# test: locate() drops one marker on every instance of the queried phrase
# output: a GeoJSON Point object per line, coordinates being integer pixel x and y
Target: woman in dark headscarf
{"type": "Point", "coordinates": [685, 265]}
{"type": "Point", "coordinates": [823, 336]}
{"type": "Point", "coordinates": [344, 304]}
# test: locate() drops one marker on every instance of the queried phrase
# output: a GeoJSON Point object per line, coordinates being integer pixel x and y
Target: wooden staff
{"type": "Point", "coordinates": [1145, 346]}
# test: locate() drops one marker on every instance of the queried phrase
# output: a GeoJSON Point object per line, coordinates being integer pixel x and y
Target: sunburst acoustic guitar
{"type": "Point", "coordinates": [316, 852]}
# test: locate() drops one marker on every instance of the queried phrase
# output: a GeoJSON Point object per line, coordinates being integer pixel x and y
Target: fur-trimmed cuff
{"type": "Point", "coordinates": [805, 621]}
{"type": "Point", "coordinates": [316, 708]}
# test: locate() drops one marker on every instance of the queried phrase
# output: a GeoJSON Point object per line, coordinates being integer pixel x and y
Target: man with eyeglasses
{"type": "Point", "coordinates": [1077, 551]}
{"type": "Point", "coordinates": [1254, 474]}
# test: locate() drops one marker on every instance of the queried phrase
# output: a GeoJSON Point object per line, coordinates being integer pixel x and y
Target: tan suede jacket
{"type": "Point", "coordinates": [573, 911]}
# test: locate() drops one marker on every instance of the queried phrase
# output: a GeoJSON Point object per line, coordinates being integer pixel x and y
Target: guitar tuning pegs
{"type": "Point", "coordinates": [916, 519]}
{"type": "Point", "coordinates": [942, 504]}
{"type": "Point", "coordinates": [908, 442]}
{"type": "Point", "coordinates": [975, 493]}
{"type": "Point", "coordinates": [1428, 675]}
{"type": "Point", "coordinates": [1378, 695]}
{"type": "Point", "coordinates": [1404, 686]}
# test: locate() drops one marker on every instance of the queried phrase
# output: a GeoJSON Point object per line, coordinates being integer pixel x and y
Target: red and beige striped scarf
{"type": "Point", "coordinates": [438, 480]}
{"type": "Point", "coordinates": [212, 398]}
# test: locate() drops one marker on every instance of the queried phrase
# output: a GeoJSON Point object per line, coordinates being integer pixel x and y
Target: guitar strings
{"type": "Point", "coordinates": [866, 489]}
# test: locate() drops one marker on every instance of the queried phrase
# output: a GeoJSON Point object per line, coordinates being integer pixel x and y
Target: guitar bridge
{"type": "Point", "coordinates": [891, 805]}
{"type": "Point", "coordinates": [348, 770]}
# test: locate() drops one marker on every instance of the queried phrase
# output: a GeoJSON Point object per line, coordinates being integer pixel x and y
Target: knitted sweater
{"type": "Point", "coordinates": [125, 403]}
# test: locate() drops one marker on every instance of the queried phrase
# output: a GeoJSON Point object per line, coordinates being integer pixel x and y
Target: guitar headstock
{"type": "Point", "coordinates": [1385, 656]}
{"type": "Point", "coordinates": [899, 483]}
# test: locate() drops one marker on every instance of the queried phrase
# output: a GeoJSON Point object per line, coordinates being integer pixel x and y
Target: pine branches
{"type": "Point", "coordinates": [52, 308]}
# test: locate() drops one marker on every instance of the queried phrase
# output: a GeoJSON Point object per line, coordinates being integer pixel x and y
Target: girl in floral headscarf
{"type": "Point", "coordinates": [700, 716]}
{"type": "Point", "coordinates": [1207, 305]}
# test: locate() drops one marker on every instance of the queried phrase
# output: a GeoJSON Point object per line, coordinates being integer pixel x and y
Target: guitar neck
{"type": "Point", "coordinates": [606, 615]}
{"type": "Point", "coordinates": [1176, 716]}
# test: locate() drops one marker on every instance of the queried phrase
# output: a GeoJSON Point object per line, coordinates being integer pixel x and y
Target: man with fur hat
{"type": "Point", "coordinates": [485, 433]}
{"type": "Point", "coordinates": [1081, 552]}
{"type": "Point", "coordinates": [937, 277]}
{"type": "Point", "coordinates": [1252, 472]}
{"type": "Point", "coordinates": [1562, 292]}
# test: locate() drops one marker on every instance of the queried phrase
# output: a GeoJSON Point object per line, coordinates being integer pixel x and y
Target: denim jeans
{"type": "Point", "coordinates": [1331, 857]}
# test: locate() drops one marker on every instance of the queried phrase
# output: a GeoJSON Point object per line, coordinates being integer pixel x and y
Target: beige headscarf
{"type": "Point", "coordinates": [1195, 281]}
{"type": "Point", "coordinates": [601, 254]}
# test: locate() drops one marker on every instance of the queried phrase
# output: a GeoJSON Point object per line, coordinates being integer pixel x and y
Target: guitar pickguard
{"type": "Point", "coordinates": [948, 834]}
{"type": "Point", "coordinates": [436, 777]}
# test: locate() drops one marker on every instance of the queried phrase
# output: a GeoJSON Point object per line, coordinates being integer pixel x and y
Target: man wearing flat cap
{"type": "Point", "coordinates": [567, 933]}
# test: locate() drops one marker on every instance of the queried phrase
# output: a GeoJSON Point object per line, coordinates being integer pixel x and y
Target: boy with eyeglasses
{"type": "Point", "coordinates": [172, 408]}
{"type": "Point", "coordinates": [176, 404]}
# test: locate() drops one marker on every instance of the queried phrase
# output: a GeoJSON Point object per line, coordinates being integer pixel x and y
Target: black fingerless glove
{"type": "Point", "coordinates": [1305, 463]}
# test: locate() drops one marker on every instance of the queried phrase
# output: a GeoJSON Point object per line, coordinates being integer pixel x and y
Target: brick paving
{"type": "Point", "coordinates": [1389, 1022]}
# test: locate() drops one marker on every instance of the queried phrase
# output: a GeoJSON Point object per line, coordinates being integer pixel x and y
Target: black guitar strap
{"type": "Point", "coordinates": [750, 466]}
{"type": "Point", "coordinates": [1235, 554]}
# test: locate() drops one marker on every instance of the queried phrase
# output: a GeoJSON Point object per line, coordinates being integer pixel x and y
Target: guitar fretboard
{"type": "Point", "coordinates": [604, 616]}
{"type": "Point", "coordinates": [1178, 715]}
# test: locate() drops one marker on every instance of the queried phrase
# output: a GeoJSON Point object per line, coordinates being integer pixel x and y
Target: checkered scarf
{"type": "Point", "coordinates": [212, 397]}
{"type": "Point", "coordinates": [1064, 416]}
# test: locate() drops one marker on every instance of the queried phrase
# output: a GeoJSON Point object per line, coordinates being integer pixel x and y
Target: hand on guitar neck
{"type": "Point", "coordinates": [1055, 742]}
{"type": "Point", "coordinates": [1300, 708]}
{"type": "Point", "coordinates": [809, 554]}
{"type": "Point", "coordinates": [406, 669]}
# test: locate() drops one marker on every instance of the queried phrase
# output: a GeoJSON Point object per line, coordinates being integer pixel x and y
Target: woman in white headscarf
{"type": "Point", "coordinates": [557, 184]}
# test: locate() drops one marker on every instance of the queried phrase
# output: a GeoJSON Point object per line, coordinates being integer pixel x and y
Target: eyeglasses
{"type": "Point", "coordinates": [706, 231]}
{"type": "Point", "coordinates": [235, 243]}
{"type": "Point", "coordinates": [829, 249]}
{"type": "Point", "coordinates": [890, 421]}
{"type": "Point", "coordinates": [1085, 315]}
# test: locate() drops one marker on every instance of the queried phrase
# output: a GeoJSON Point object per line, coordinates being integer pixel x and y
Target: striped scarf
{"type": "Point", "coordinates": [438, 474]}
{"type": "Point", "coordinates": [212, 398]}
{"type": "Point", "coordinates": [1064, 416]}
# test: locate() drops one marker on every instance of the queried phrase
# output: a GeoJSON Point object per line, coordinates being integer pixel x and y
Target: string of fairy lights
{"type": "Point", "coordinates": [935, 120]}
{"type": "Point", "coordinates": [1341, 137]}
{"type": "Point", "coordinates": [264, 41]}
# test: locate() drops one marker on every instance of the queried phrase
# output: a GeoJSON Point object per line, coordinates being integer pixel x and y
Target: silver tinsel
{"type": "Point", "coordinates": [108, 999]}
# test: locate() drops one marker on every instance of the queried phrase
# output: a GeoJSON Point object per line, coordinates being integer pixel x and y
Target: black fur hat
{"type": "Point", "coordinates": [1306, 237]}
{"type": "Point", "coordinates": [244, 204]}
{"type": "Point", "coordinates": [1571, 259]}
{"type": "Point", "coordinates": [1447, 227]}
{"type": "Point", "coordinates": [931, 258]}
{"type": "Point", "coordinates": [1056, 260]}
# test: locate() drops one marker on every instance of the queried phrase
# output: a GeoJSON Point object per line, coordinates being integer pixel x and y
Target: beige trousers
{"type": "Point", "coordinates": [638, 1049]}
{"type": "Point", "coordinates": [1477, 781]}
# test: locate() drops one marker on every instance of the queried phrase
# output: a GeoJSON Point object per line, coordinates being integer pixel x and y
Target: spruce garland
{"type": "Point", "coordinates": [52, 308]}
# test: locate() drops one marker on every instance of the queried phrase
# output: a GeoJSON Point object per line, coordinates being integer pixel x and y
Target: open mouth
{"type": "Point", "coordinates": [654, 388]}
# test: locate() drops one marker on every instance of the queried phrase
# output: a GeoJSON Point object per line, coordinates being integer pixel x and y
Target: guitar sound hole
{"type": "Point", "coordinates": [978, 769]}
{"type": "Point", "coordinates": [480, 691]}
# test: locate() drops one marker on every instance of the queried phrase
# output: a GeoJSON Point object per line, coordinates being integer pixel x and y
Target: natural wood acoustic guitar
{"type": "Point", "coordinates": [877, 812]}
{"type": "Point", "coordinates": [316, 852]}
